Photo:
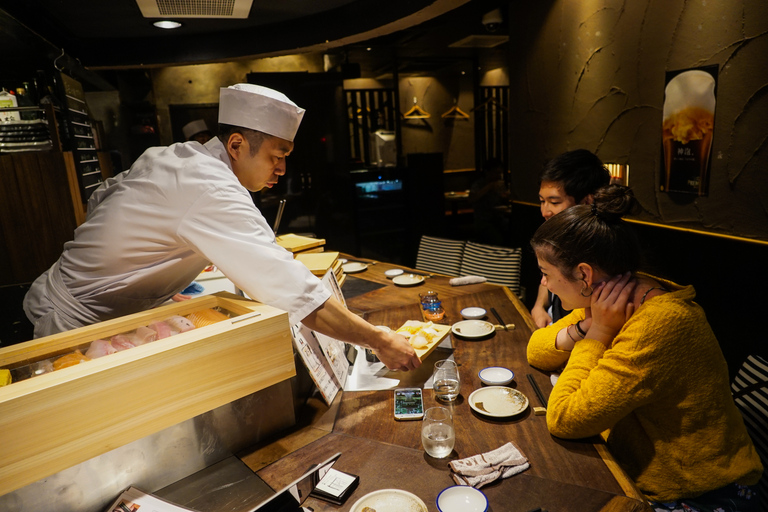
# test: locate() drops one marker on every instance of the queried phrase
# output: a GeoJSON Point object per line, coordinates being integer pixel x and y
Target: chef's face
{"type": "Point", "coordinates": [261, 168]}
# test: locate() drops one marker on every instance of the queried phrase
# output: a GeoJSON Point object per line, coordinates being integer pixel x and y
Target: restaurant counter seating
{"type": "Point", "coordinates": [440, 255]}
{"type": "Point", "coordinates": [499, 265]}
{"type": "Point", "coordinates": [750, 392]}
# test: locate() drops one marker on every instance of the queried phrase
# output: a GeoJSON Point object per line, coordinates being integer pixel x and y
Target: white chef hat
{"type": "Point", "coordinates": [259, 108]}
{"type": "Point", "coordinates": [194, 127]}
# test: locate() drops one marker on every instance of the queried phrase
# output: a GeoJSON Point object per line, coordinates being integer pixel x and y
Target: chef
{"type": "Point", "coordinates": [153, 228]}
{"type": "Point", "coordinates": [197, 130]}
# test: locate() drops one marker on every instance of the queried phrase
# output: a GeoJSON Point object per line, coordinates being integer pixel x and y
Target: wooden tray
{"type": "Point", "coordinates": [442, 332]}
{"type": "Point", "coordinates": [57, 420]}
{"type": "Point", "coordinates": [298, 243]}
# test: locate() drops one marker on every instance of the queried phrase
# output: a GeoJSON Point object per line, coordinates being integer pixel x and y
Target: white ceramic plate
{"type": "Point", "coordinates": [390, 500]}
{"type": "Point", "coordinates": [393, 272]}
{"type": "Point", "coordinates": [498, 401]}
{"type": "Point", "coordinates": [353, 267]}
{"type": "Point", "coordinates": [408, 280]}
{"type": "Point", "coordinates": [472, 328]}
{"type": "Point", "coordinates": [473, 313]}
{"type": "Point", "coordinates": [461, 498]}
{"type": "Point", "coordinates": [496, 376]}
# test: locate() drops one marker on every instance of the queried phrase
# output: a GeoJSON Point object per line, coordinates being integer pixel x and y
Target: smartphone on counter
{"type": "Point", "coordinates": [409, 404]}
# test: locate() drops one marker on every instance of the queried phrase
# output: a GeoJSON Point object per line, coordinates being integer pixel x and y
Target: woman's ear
{"type": "Point", "coordinates": [586, 273]}
{"type": "Point", "coordinates": [588, 199]}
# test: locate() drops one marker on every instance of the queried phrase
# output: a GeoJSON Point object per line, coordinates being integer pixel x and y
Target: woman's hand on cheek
{"type": "Point", "coordinates": [611, 307]}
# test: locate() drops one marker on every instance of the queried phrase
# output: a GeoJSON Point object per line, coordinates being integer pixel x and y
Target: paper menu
{"type": "Point", "coordinates": [324, 357]}
{"type": "Point", "coordinates": [316, 362]}
{"type": "Point", "coordinates": [135, 500]}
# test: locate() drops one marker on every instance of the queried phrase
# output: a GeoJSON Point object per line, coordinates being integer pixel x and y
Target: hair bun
{"type": "Point", "coordinates": [614, 201]}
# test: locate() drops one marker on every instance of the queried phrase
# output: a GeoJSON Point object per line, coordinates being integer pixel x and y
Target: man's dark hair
{"type": "Point", "coordinates": [255, 138]}
{"type": "Point", "coordinates": [580, 172]}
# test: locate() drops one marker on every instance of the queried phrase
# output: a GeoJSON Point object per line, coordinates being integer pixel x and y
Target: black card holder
{"type": "Point", "coordinates": [343, 491]}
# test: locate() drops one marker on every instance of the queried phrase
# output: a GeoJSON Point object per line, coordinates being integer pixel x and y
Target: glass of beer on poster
{"type": "Point", "coordinates": [689, 118]}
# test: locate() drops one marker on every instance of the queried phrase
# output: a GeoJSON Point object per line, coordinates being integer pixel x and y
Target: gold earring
{"type": "Point", "coordinates": [591, 291]}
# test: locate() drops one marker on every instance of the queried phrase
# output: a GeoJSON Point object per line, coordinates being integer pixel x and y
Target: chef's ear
{"type": "Point", "coordinates": [235, 145]}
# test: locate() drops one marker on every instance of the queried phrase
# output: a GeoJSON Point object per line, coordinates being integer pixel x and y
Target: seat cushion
{"type": "Point", "coordinates": [750, 392]}
{"type": "Point", "coordinates": [500, 265]}
{"type": "Point", "coordinates": [440, 255]}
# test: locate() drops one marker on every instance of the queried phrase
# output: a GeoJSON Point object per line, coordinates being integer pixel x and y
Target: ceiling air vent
{"type": "Point", "coordinates": [480, 41]}
{"type": "Point", "coordinates": [195, 8]}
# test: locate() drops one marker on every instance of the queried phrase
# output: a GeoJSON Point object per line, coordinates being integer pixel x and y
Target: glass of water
{"type": "Point", "coordinates": [437, 434]}
{"type": "Point", "coordinates": [445, 380]}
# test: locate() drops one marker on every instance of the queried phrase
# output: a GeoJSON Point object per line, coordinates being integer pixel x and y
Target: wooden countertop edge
{"type": "Point", "coordinates": [626, 483]}
{"type": "Point", "coordinates": [524, 313]}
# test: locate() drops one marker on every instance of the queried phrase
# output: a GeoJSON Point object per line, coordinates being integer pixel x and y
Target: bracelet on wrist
{"type": "Point", "coordinates": [580, 330]}
{"type": "Point", "coordinates": [569, 334]}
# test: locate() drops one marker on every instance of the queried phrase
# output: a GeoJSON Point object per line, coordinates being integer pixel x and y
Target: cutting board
{"type": "Point", "coordinates": [442, 332]}
{"type": "Point", "coordinates": [297, 243]}
{"type": "Point", "coordinates": [318, 262]}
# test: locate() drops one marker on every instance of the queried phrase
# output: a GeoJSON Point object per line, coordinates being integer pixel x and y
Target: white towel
{"type": "Point", "coordinates": [485, 468]}
{"type": "Point", "coordinates": [458, 281]}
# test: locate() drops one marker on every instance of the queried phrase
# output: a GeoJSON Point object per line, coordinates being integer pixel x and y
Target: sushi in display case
{"type": "Point", "coordinates": [76, 395]}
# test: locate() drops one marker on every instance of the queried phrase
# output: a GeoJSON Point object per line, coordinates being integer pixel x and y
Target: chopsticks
{"type": "Point", "coordinates": [537, 390]}
{"type": "Point", "coordinates": [502, 322]}
{"type": "Point", "coordinates": [280, 209]}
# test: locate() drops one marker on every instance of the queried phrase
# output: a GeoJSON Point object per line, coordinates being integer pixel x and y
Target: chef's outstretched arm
{"type": "Point", "coordinates": [336, 321]}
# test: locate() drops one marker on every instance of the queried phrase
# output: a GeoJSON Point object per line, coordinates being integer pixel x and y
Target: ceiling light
{"type": "Point", "coordinates": [167, 24]}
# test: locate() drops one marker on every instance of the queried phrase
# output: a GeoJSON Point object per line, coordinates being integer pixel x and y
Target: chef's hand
{"type": "Point", "coordinates": [611, 307]}
{"type": "Point", "coordinates": [397, 353]}
{"type": "Point", "coordinates": [179, 297]}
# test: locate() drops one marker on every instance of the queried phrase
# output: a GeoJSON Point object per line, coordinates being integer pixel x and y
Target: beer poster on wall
{"type": "Point", "coordinates": [687, 129]}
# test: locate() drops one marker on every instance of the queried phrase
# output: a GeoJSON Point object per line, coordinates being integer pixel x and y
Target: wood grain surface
{"type": "Point", "coordinates": [564, 475]}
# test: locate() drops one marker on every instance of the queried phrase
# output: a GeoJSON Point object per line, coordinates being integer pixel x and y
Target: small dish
{"type": "Point", "coordinates": [408, 280]}
{"type": "Point", "coordinates": [462, 498]}
{"type": "Point", "coordinates": [393, 272]}
{"type": "Point", "coordinates": [496, 376]}
{"type": "Point", "coordinates": [473, 313]}
{"type": "Point", "coordinates": [390, 500]}
{"type": "Point", "coordinates": [354, 267]}
{"type": "Point", "coordinates": [498, 401]}
{"type": "Point", "coordinates": [472, 329]}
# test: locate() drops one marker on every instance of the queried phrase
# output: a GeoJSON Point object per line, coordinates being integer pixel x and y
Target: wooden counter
{"type": "Point", "coordinates": [564, 475]}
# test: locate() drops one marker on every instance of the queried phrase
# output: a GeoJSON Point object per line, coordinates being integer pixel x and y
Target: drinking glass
{"type": "Point", "coordinates": [445, 380]}
{"type": "Point", "coordinates": [437, 434]}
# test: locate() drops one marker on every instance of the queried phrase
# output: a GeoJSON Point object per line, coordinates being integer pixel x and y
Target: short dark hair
{"type": "Point", "coordinates": [580, 172]}
{"type": "Point", "coordinates": [593, 234]}
{"type": "Point", "coordinates": [255, 138]}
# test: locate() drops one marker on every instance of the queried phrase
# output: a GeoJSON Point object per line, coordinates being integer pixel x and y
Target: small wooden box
{"type": "Point", "coordinates": [56, 420]}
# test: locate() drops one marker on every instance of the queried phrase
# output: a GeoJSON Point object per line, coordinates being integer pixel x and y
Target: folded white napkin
{"type": "Point", "coordinates": [485, 468]}
{"type": "Point", "coordinates": [458, 281]}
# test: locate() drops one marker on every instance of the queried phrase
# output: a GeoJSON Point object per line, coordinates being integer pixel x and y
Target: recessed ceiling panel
{"type": "Point", "coordinates": [195, 8]}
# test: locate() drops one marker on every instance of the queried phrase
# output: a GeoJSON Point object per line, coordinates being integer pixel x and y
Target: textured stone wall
{"type": "Point", "coordinates": [591, 74]}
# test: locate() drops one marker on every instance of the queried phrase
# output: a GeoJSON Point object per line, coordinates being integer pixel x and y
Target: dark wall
{"type": "Point", "coordinates": [592, 75]}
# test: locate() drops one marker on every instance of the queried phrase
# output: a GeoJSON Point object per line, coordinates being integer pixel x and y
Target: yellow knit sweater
{"type": "Point", "coordinates": [662, 390]}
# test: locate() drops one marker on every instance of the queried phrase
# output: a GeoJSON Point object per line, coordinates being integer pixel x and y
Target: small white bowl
{"type": "Point", "coordinates": [461, 498]}
{"type": "Point", "coordinates": [393, 272]}
{"type": "Point", "coordinates": [473, 313]}
{"type": "Point", "coordinates": [496, 376]}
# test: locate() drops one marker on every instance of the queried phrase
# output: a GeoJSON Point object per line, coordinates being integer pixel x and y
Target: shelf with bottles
{"type": "Point", "coordinates": [24, 129]}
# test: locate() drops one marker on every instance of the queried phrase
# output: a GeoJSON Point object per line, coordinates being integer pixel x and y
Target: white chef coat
{"type": "Point", "coordinates": [152, 229]}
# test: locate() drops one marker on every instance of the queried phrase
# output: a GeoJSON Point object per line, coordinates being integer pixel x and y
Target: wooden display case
{"type": "Point", "coordinates": [53, 421]}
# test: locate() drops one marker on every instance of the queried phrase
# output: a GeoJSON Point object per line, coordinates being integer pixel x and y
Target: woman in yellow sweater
{"type": "Point", "coordinates": [640, 362]}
